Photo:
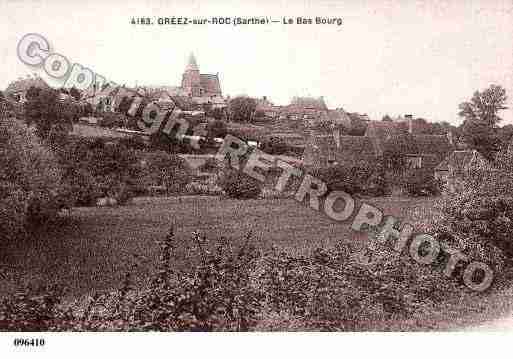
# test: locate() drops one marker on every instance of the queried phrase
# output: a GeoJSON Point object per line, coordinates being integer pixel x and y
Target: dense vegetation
{"type": "Point", "coordinates": [30, 180]}
{"type": "Point", "coordinates": [232, 285]}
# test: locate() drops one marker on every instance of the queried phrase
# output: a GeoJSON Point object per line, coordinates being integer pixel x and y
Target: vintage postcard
{"type": "Point", "coordinates": [266, 166]}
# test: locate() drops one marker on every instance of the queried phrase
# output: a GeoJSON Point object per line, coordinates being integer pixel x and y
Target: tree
{"type": "Point", "coordinates": [481, 119]}
{"type": "Point", "coordinates": [485, 106]}
{"type": "Point", "coordinates": [482, 137]}
{"type": "Point", "coordinates": [216, 128]}
{"type": "Point", "coordinates": [358, 127]}
{"type": "Point", "coordinates": [42, 108]}
{"type": "Point", "coordinates": [73, 92]}
{"type": "Point", "coordinates": [386, 118]}
{"type": "Point", "coordinates": [241, 108]}
{"type": "Point", "coordinates": [505, 135]}
{"type": "Point", "coordinates": [2, 95]}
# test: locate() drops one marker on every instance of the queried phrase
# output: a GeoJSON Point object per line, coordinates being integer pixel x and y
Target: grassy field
{"type": "Point", "coordinates": [93, 248]}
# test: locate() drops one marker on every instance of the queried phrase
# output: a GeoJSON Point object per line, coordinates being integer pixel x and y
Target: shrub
{"type": "Point", "coordinates": [419, 184]}
{"type": "Point", "coordinates": [111, 120]}
{"type": "Point", "coordinates": [30, 179]}
{"type": "Point", "coordinates": [275, 146]}
{"type": "Point", "coordinates": [211, 166]}
{"type": "Point", "coordinates": [483, 225]}
{"type": "Point", "coordinates": [350, 179]}
{"type": "Point", "coordinates": [169, 170]}
{"type": "Point", "coordinates": [95, 169]}
{"type": "Point", "coordinates": [229, 285]}
{"type": "Point", "coordinates": [239, 185]}
{"type": "Point", "coordinates": [216, 128]}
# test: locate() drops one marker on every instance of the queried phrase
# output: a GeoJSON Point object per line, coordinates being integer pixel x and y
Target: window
{"type": "Point", "coordinates": [414, 162]}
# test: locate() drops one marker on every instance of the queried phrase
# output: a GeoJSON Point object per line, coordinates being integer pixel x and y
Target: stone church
{"type": "Point", "coordinates": [196, 84]}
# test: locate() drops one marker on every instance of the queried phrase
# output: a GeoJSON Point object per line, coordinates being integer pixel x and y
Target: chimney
{"type": "Point", "coordinates": [450, 138]}
{"type": "Point", "coordinates": [409, 118]}
{"type": "Point", "coordinates": [336, 134]}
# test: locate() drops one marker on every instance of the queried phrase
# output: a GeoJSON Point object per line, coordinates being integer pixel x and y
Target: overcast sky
{"type": "Point", "coordinates": [389, 57]}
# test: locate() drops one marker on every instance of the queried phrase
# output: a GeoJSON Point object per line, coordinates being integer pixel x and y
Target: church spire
{"type": "Point", "coordinates": [192, 65]}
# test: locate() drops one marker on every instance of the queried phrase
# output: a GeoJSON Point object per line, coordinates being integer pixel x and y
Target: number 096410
{"type": "Point", "coordinates": [29, 342]}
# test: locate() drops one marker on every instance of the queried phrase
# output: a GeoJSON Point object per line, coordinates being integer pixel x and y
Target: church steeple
{"type": "Point", "coordinates": [191, 64]}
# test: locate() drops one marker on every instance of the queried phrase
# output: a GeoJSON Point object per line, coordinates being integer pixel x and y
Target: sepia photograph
{"type": "Point", "coordinates": [287, 168]}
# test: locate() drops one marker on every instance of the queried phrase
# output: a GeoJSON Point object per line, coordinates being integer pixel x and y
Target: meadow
{"type": "Point", "coordinates": [93, 247]}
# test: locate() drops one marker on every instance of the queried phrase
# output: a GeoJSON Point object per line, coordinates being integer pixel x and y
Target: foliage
{"type": "Point", "coordinates": [165, 169]}
{"type": "Point", "coordinates": [30, 179]}
{"type": "Point", "coordinates": [481, 136]}
{"type": "Point", "coordinates": [237, 184]}
{"type": "Point", "coordinates": [216, 129]}
{"type": "Point", "coordinates": [203, 188]}
{"type": "Point", "coordinates": [480, 227]}
{"type": "Point", "coordinates": [241, 108]}
{"type": "Point", "coordinates": [111, 120]}
{"type": "Point", "coordinates": [44, 109]}
{"type": "Point", "coordinates": [350, 179]}
{"type": "Point", "coordinates": [275, 146]}
{"type": "Point", "coordinates": [229, 285]}
{"type": "Point", "coordinates": [94, 169]}
{"type": "Point", "coordinates": [418, 183]}
{"type": "Point", "coordinates": [75, 93]}
{"type": "Point", "coordinates": [481, 116]}
{"type": "Point", "coordinates": [485, 106]}
{"type": "Point", "coordinates": [211, 165]}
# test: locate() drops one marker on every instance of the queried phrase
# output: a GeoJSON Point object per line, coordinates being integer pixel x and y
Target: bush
{"type": "Point", "coordinates": [479, 220]}
{"type": "Point", "coordinates": [239, 185]}
{"type": "Point", "coordinates": [275, 146]}
{"type": "Point", "coordinates": [418, 184]}
{"type": "Point", "coordinates": [350, 179]}
{"type": "Point", "coordinates": [30, 179]}
{"type": "Point", "coordinates": [480, 224]}
{"type": "Point", "coordinates": [93, 169]}
{"type": "Point", "coordinates": [229, 285]}
{"type": "Point", "coordinates": [165, 169]}
{"type": "Point", "coordinates": [111, 120]}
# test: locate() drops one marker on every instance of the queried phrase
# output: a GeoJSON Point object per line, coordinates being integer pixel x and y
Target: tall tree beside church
{"type": "Point", "coordinates": [241, 108]}
{"type": "Point", "coordinates": [481, 116]}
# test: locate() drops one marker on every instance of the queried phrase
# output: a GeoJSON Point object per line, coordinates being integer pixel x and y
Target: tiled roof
{"type": "Point", "coordinates": [339, 148]}
{"type": "Point", "coordinates": [309, 102]}
{"type": "Point", "coordinates": [460, 161]}
{"type": "Point", "coordinates": [23, 85]}
{"type": "Point", "coordinates": [210, 82]}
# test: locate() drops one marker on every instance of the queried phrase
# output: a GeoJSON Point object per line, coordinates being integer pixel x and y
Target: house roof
{"type": "Point", "coordinates": [210, 82]}
{"type": "Point", "coordinates": [434, 144]}
{"type": "Point", "coordinates": [382, 130]}
{"type": "Point", "coordinates": [291, 139]}
{"type": "Point", "coordinates": [22, 85]}
{"type": "Point", "coordinates": [309, 102]}
{"type": "Point", "coordinates": [349, 146]}
{"type": "Point", "coordinates": [339, 117]}
{"type": "Point", "coordinates": [459, 161]}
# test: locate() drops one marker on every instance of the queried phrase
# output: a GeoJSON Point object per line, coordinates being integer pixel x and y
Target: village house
{"type": "Point", "coordinates": [305, 108]}
{"type": "Point", "coordinates": [424, 152]}
{"type": "Point", "coordinates": [457, 167]}
{"type": "Point", "coordinates": [267, 108]}
{"type": "Point", "coordinates": [200, 89]}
